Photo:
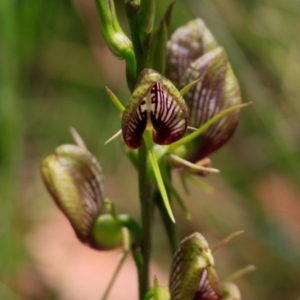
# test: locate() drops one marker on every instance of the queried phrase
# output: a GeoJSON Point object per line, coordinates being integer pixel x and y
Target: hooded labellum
{"type": "Point", "coordinates": [218, 90]}
{"type": "Point", "coordinates": [73, 177]}
{"type": "Point", "coordinates": [186, 44]}
{"type": "Point", "coordinates": [192, 273]}
{"type": "Point", "coordinates": [154, 105]}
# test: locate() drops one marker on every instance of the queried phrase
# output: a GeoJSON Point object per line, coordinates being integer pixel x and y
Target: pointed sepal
{"type": "Point", "coordinates": [158, 44]}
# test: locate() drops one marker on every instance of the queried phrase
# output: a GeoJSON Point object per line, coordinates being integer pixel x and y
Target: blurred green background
{"type": "Point", "coordinates": [54, 67]}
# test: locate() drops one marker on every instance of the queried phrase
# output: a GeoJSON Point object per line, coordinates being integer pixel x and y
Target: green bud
{"type": "Point", "coordinates": [185, 45]}
{"type": "Point", "coordinates": [154, 105]}
{"type": "Point", "coordinates": [113, 34]}
{"type": "Point", "coordinates": [231, 291]}
{"type": "Point", "coordinates": [106, 233]}
{"type": "Point", "coordinates": [216, 91]}
{"type": "Point", "coordinates": [157, 52]}
{"type": "Point", "coordinates": [192, 273]}
{"type": "Point", "coordinates": [73, 177]}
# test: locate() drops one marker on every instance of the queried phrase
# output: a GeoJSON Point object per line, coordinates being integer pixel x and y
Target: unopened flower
{"type": "Point", "coordinates": [194, 54]}
{"type": "Point", "coordinates": [185, 45]}
{"type": "Point", "coordinates": [73, 177]}
{"type": "Point", "coordinates": [192, 273]}
{"type": "Point", "coordinates": [217, 90]}
{"type": "Point", "coordinates": [115, 38]}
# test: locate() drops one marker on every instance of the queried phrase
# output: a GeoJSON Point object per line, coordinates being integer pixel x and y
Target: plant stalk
{"type": "Point", "coordinates": [146, 215]}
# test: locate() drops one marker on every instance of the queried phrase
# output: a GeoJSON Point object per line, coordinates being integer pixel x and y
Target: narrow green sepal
{"type": "Point", "coordinates": [175, 193]}
{"type": "Point", "coordinates": [226, 240]}
{"type": "Point", "coordinates": [115, 99]}
{"type": "Point", "coordinates": [158, 47]}
{"type": "Point", "coordinates": [183, 179]}
{"type": "Point", "coordinates": [239, 273]}
{"type": "Point", "coordinates": [168, 14]}
{"type": "Point", "coordinates": [157, 175]}
{"type": "Point", "coordinates": [146, 18]}
{"type": "Point", "coordinates": [205, 126]}
{"type": "Point", "coordinates": [199, 183]}
{"type": "Point", "coordinates": [185, 89]}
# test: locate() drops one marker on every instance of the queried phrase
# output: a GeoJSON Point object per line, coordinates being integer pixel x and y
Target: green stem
{"type": "Point", "coordinates": [132, 14]}
{"type": "Point", "coordinates": [146, 215]}
{"type": "Point", "coordinates": [10, 146]}
{"type": "Point", "coordinates": [142, 262]}
{"type": "Point", "coordinates": [126, 243]}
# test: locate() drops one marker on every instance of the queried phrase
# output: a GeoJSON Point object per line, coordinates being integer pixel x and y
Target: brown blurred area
{"type": "Point", "coordinates": [54, 69]}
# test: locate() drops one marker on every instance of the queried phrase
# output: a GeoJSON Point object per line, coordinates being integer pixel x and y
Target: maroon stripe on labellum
{"type": "Point", "coordinates": [206, 291]}
{"type": "Point", "coordinates": [167, 118]}
{"type": "Point", "coordinates": [136, 126]}
{"type": "Point", "coordinates": [155, 105]}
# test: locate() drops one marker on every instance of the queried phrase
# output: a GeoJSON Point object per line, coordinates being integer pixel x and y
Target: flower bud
{"type": "Point", "coordinates": [186, 44]}
{"type": "Point", "coordinates": [73, 177]}
{"type": "Point", "coordinates": [218, 90]}
{"type": "Point", "coordinates": [115, 38]}
{"type": "Point", "coordinates": [106, 233]}
{"type": "Point", "coordinates": [154, 105]}
{"type": "Point", "coordinates": [192, 273]}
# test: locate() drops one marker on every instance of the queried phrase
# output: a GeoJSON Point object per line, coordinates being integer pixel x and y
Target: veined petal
{"type": "Point", "coordinates": [218, 90]}
{"type": "Point", "coordinates": [185, 45]}
{"type": "Point", "coordinates": [157, 105]}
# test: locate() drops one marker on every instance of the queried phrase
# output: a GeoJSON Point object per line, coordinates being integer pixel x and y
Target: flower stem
{"type": "Point", "coordinates": [146, 215]}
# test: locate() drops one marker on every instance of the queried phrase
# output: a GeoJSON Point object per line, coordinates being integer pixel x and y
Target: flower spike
{"type": "Point", "coordinates": [154, 105]}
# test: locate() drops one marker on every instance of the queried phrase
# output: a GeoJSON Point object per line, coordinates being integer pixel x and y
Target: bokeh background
{"type": "Point", "coordinates": [54, 67]}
